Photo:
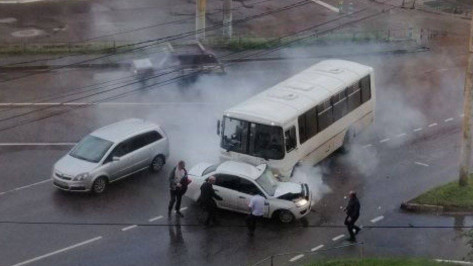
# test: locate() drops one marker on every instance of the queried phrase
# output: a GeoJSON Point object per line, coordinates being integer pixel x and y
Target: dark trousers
{"type": "Point", "coordinates": [251, 222]}
{"type": "Point", "coordinates": [351, 225]}
{"type": "Point", "coordinates": [210, 209]}
{"type": "Point", "coordinates": [176, 197]}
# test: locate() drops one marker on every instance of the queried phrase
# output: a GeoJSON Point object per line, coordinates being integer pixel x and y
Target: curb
{"type": "Point", "coordinates": [421, 208]}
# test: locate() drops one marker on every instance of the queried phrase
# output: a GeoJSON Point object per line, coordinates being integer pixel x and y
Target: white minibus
{"type": "Point", "coordinates": [304, 118]}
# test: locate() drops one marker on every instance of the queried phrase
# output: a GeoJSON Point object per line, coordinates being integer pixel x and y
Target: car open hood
{"type": "Point", "coordinates": [287, 188]}
{"type": "Point", "coordinates": [72, 166]}
{"type": "Point", "coordinates": [198, 169]}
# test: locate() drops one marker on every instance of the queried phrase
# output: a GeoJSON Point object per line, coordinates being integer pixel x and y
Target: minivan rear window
{"type": "Point", "coordinates": [91, 149]}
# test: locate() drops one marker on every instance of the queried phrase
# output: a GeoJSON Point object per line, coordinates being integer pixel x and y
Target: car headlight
{"type": "Point", "coordinates": [301, 202]}
{"type": "Point", "coordinates": [80, 177]}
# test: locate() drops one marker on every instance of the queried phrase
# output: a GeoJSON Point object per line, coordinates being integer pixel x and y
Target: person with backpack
{"type": "Point", "coordinates": [178, 182]}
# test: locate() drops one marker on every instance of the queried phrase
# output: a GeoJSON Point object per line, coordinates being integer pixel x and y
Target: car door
{"type": "Point", "coordinates": [141, 151]}
{"type": "Point", "coordinates": [225, 186]}
{"type": "Point", "coordinates": [123, 165]}
{"type": "Point", "coordinates": [246, 190]}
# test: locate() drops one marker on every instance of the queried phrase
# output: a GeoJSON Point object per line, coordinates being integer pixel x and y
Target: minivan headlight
{"type": "Point", "coordinates": [81, 177]}
{"type": "Point", "coordinates": [301, 202]}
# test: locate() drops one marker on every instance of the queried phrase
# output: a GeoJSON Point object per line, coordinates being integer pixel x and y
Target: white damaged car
{"type": "Point", "coordinates": [237, 182]}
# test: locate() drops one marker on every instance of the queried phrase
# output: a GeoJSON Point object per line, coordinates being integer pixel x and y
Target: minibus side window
{"type": "Point", "coordinates": [290, 138]}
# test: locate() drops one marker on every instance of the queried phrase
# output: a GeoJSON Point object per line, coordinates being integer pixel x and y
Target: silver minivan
{"type": "Point", "coordinates": [112, 153]}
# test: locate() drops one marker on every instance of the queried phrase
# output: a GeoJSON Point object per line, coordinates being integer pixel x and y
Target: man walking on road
{"type": "Point", "coordinates": [178, 182]}
{"type": "Point", "coordinates": [207, 196]}
{"type": "Point", "coordinates": [353, 212]}
{"type": "Point", "coordinates": [256, 206]}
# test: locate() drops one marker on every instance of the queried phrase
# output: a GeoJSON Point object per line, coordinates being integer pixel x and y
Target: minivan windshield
{"type": "Point", "coordinates": [268, 182]}
{"type": "Point", "coordinates": [91, 149]}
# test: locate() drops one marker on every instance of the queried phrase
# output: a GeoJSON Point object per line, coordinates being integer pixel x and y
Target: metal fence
{"type": "Point", "coordinates": [277, 259]}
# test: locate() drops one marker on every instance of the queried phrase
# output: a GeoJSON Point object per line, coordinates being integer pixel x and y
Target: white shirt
{"type": "Point", "coordinates": [257, 205]}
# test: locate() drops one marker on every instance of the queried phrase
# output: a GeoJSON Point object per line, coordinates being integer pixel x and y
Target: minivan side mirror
{"type": "Point", "coordinates": [115, 158]}
{"type": "Point", "coordinates": [218, 127]}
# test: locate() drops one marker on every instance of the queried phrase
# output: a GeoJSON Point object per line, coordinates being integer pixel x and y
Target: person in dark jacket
{"type": "Point", "coordinates": [207, 196]}
{"type": "Point", "coordinates": [178, 181]}
{"type": "Point", "coordinates": [353, 212]}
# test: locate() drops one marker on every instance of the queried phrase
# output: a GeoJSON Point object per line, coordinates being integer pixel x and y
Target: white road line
{"type": "Point", "coordinates": [368, 145]}
{"type": "Point", "coordinates": [377, 219]}
{"type": "Point", "coordinates": [401, 135]}
{"type": "Point", "coordinates": [155, 218]}
{"type": "Point", "coordinates": [433, 125]}
{"type": "Point", "coordinates": [183, 209]}
{"type": "Point", "coordinates": [384, 140]}
{"type": "Point", "coordinates": [417, 129]}
{"type": "Point", "coordinates": [37, 144]}
{"type": "Point", "coordinates": [27, 186]}
{"type": "Point", "coordinates": [455, 262]}
{"type": "Point", "coordinates": [59, 251]}
{"type": "Point", "coordinates": [334, 9]}
{"type": "Point", "coordinates": [422, 164]}
{"type": "Point", "coordinates": [448, 119]}
{"type": "Point", "coordinates": [129, 227]}
{"type": "Point", "coordinates": [317, 248]}
{"type": "Point", "coordinates": [338, 237]}
{"type": "Point", "coordinates": [462, 115]}
{"type": "Point", "coordinates": [300, 256]}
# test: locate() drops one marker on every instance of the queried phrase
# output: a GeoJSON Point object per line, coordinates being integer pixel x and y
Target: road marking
{"type": "Point", "coordinates": [37, 144]}
{"type": "Point", "coordinates": [462, 115]}
{"type": "Point", "coordinates": [334, 9]}
{"type": "Point", "coordinates": [384, 140]}
{"type": "Point", "coordinates": [317, 248]}
{"type": "Point", "coordinates": [155, 218]}
{"type": "Point", "coordinates": [433, 125]}
{"type": "Point", "coordinates": [59, 251]}
{"type": "Point", "coordinates": [300, 256]}
{"type": "Point", "coordinates": [423, 164]}
{"type": "Point", "coordinates": [448, 119]}
{"type": "Point", "coordinates": [401, 135]}
{"type": "Point", "coordinates": [455, 262]}
{"type": "Point", "coordinates": [377, 219]}
{"type": "Point", "coordinates": [417, 129]}
{"type": "Point", "coordinates": [338, 237]}
{"type": "Point", "coordinates": [368, 145]}
{"type": "Point", "coordinates": [27, 186]}
{"type": "Point", "coordinates": [129, 227]}
{"type": "Point", "coordinates": [183, 209]}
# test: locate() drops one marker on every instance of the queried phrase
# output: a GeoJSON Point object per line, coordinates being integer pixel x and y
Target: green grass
{"type": "Point", "coordinates": [451, 196]}
{"type": "Point", "coordinates": [378, 262]}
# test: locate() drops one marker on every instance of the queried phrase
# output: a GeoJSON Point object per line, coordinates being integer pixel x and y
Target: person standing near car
{"type": "Point", "coordinates": [207, 196]}
{"type": "Point", "coordinates": [177, 190]}
{"type": "Point", "coordinates": [353, 212]}
{"type": "Point", "coordinates": [256, 207]}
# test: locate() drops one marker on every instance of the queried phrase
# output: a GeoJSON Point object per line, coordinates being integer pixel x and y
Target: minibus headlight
{"type": "Point", "coordinates": [81, 177]}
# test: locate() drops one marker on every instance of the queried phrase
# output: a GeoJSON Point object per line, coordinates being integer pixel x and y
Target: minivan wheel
{"type": "Point", "coordinates": [99, 185]}
{"type": "Point", "coordinates": [157, 163]}
{"type": "Point", "coordinates": [285, 216]}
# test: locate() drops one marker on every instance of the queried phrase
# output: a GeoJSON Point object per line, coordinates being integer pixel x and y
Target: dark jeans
{"type": "Point", "coordinates": [351, 225]}
{"type": "Point", "coordinates": [176, 196]}
{"type": "Point", "coordinates": [210, 209]}
{"type": "Point", "coordinates": [251, 222]}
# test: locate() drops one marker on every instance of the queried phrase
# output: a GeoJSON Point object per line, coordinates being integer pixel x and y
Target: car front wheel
{"type": "Point", "coordinates": [157, 163]}
{"type": "Point", "coordinates": [99, 185]}
{"type": "Point", "coordinates": [285, 216]}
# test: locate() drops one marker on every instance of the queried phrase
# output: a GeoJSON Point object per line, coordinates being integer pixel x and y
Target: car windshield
{"type": "Point", "coordinates": [91, 149]}
{"type": "Point", "coordinates": [268, 182]}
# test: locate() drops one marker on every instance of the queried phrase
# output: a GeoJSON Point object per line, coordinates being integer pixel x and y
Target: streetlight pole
{"type": "Point", "coordinates": [200, 6]}
{"type": "Point", "coordinates": [227, 19]}
{"type": "Point", "coordinates": [467, 103]}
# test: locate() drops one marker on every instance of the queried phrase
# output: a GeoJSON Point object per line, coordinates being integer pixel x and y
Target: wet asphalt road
{"type": "Point", "coordinates": [414, 145]}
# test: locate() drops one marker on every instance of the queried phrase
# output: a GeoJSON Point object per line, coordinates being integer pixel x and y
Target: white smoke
{"type": "Point", "coordinates": [312, 176]}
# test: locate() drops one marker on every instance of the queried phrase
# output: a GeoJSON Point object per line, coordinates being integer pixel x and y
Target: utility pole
{"type": "Point", "coordinates": [200, 6]}
{"type": "Point", "coordinates": [467, 103]}
{"type": "Point", "coordinates": [227, 19]}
